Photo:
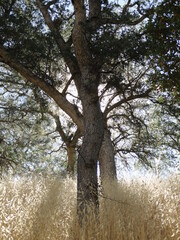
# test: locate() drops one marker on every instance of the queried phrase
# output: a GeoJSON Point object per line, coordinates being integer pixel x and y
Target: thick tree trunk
{"type": "Point", "coordinates": [87, 185]}
{"type": "Point", "coordinates": [87, 161]}
{"type": "Point", "coordinates": [107, 161]}
{"type": "Point", "coordinates": [71, 154]}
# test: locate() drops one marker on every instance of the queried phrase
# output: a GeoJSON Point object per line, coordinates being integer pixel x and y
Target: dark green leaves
{"type": "Point", "coordinates": [163, 31]}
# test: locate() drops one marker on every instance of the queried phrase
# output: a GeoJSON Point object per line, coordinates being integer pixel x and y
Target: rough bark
{"type": "Point", "coordinates": [87, 185]}
{"type": "Point", "coordinates": [107, 165]}
{"type": "Point", "coordinates": [71, 154]}
{"type": "Point", "coordinates": [89, 153]}
{"type": "Point", "coordinates": [107, 162]}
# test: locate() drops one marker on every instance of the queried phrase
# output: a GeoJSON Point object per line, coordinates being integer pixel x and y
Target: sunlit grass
{"type": "Point", "coordinates": [37, 208]}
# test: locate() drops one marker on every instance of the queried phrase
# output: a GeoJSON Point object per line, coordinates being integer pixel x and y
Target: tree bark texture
{"type": "Point", "coordinates": [71, 154]}
{"type": "Point", "coordinates": [87, 184]}
{"type": "Point", "coordinates": [107, 161]}
{"type": "Point", "coordinates": [89, 153]}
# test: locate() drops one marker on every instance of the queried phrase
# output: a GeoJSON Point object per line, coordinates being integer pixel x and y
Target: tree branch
{"type": "Point", "coordinates": [60, 129]}
{"type": "Point", "coordinates": [122, 21]}
{"type": "Point", "coordinates": [64, 48]}
{"type": "Point", "coordinates": [65, 138]}
{"type": "Point", "coordinates": [80, 42]}
{"type": "Point", "coordinates": [61, 101]}
{"type": "Point", "coordinates": [125, 100]}
{"type": "Point", "coordinates": [67, 85]}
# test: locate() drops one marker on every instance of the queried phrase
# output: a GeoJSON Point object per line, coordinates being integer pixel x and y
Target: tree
{"type": "Point", "coordinates": [134, 135]}
{"type": "Point", "coordinates": [104, 39]}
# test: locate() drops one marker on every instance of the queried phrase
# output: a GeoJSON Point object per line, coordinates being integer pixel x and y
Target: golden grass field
{"type": "Point", "coordinates": [37, 208]}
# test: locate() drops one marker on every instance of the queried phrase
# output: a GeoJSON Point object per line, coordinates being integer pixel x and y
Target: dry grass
{"type": "Point", "coordinates": [45, 208]}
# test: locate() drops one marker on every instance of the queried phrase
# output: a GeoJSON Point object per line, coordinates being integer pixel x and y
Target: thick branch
{"type": "Point", "coordinates": [64, 48]}
{"type": "Point", "coordinates": [80, 42]}
{"type": "Point", "coordinates": [61, 101]}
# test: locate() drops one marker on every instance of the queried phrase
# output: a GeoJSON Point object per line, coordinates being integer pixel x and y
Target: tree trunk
{"type": "Point", "coordinates": [87, 184]}
{"type": "Point", "coordinates": [71, 154]}
{"type": "Point", "coordinates": [87, 161]}
{"type": "Point", "coordinates": [107, 161]}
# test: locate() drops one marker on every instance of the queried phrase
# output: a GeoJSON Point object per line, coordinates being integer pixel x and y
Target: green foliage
{"type": "Point", "coordinates": [28, 134]}
{"type": "Point", "coordinates": [25, 36]}
{"type": "Point", "coordinates": [24, 33]}
{"type": "Point", "coordinates": [163, 30]}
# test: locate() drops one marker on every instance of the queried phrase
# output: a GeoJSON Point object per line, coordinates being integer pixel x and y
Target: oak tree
{"type": "Point", "coordinates": [104, 37]}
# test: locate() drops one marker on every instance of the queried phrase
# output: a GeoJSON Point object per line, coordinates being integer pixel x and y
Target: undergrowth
{"type": "Point", "coordinates": [37, 208]}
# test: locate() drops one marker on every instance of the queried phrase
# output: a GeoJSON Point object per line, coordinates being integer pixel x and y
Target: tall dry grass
{"type": "Point", "coordinates": [45, 208]}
